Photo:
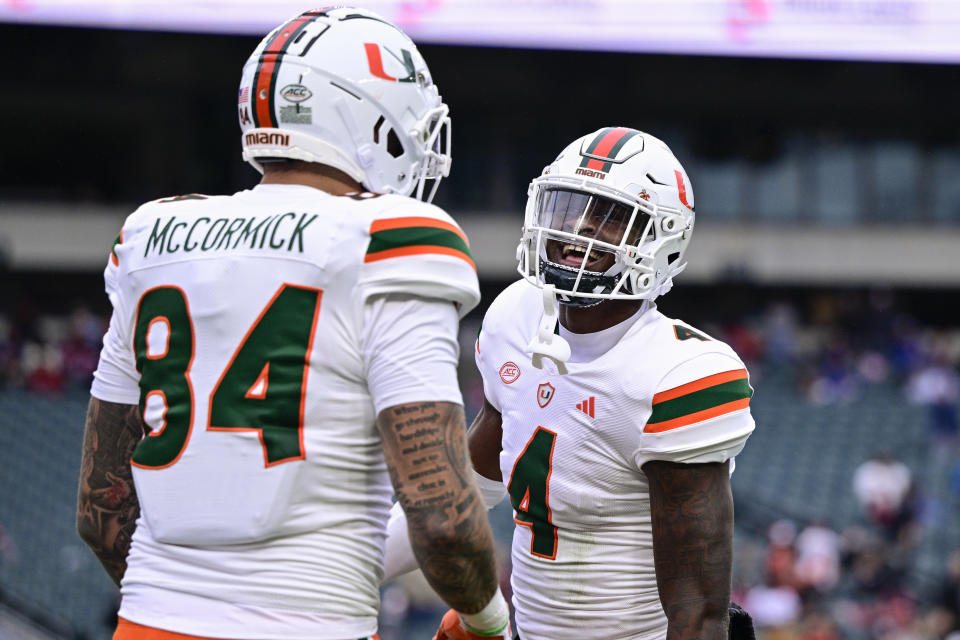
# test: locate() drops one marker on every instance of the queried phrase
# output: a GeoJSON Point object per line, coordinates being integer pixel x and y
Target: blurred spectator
{"type": "Point", "coordinates": [81, 349]}
{"type": "Point", "coordinates": [875, 575]}
{"type": "Point", "coordinates": [780, 328]}
{"type": "Point", "coordinates": [779, 564]}
{"type": "Point", "coordinates": [775, 610]}
{"type": "Point", "coordinates": [955, 480]}
{"type": "Point", "coordinates": [8, 353]}
{"type": "Point", "coordinates": [8, 548]}
{"type": "Point", "coordinates": [947, 603]}
{"type": "Point", "coordinates": [818, 557]}
{"type": "Point", "coordinates": [881, 485]}
{"type": "Point", "coordinates": [818, 626]}
{"type": "Point", "coordinates": [904, 346]}
{"type": "Point", "coordinates": [835, 380]}
{"type": "Point", "coordinates": [937, 386]}
{"type": "Point", "coordinates": [42, 368]}
{"type": "Point", "coordinates": [746, 341]}
{"type": "Point", "coordinates": [49, 354]}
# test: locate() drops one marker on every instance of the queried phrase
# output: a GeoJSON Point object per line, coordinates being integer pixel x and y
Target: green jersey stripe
{"type": "Point", "coordinates": [416, 236]}
{"type": "Point", "coordinates": [701, 400]}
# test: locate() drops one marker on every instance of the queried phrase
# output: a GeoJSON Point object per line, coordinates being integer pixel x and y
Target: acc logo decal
{"type": "Point", "coordinates": [509, 372]}
{"type": "Point", "coordinates": [295, 93]}
{"type": "Point", "coordinates": [545, 394]}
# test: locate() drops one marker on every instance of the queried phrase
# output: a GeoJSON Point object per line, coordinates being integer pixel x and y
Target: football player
{"type": "Point", "coordinates": [612, 431]}
{"type": "Point", "coordinates": [282, 360]}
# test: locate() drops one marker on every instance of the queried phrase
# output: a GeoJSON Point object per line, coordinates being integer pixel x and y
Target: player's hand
{"type": "Point", "coordinates": [741, 624]}
{"type": "Point", "coordinates": [451, 628]}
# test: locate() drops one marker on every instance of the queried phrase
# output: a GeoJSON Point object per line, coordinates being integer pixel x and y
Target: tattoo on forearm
{"type": "Point", "coordinates": [692, 515]}
{"type": "Point", "coordinates": [107, 505]}
{"type": "Point", "coordinates": [425, 446]}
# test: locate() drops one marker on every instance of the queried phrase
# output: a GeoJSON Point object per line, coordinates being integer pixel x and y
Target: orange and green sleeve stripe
{"type": "Point", "coordinates": [398, 237]}
{"type": "Point", "coordinates": [699, 400]}
{"type": "Point", "coordinates": [113, 250]}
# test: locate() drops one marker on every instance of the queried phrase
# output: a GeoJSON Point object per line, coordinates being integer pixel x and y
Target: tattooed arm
{"type": "Point", "coordinates": [107, 506]}
{"type": "Point", "coordinates": [426, 452]}
{"type": "Point", "coordinates": [692, 513]}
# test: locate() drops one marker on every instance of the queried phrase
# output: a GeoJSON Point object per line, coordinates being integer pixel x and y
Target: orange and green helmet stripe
{"type": "Point", "coordinates": [265, 77]}
{"type": "Point", "coordinates": [397, 237]}
{"type": "Point", "coordinates": [699, 400]}
{"type": "Point", "coordinates": [606, 144]}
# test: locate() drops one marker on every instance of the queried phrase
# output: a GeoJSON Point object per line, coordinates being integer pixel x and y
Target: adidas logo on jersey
{"type": "Point", "coordinates": [587, 406]}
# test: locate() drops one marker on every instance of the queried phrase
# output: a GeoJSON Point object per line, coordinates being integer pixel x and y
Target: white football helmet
{"type": "Point", "coordinates": [610, 218]}
{"type": "Point", "coordinates": [346, 88]}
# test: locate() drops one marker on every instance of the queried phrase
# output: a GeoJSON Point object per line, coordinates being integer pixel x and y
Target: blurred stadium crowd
{"type": "Point", "coordinates": [803, 574]}
{"type": "Point", "coordinates": [847, 495]}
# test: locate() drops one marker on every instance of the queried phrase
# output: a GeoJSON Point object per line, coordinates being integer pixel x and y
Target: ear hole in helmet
{"type": "Point", "coordinates": [654, 180]}
{"type": "Point", "coordinates": [376, 129]}
{"type": "Point", "coordinates": [673, 257]}
{"type": "Point", "coordinates": [394, 147]}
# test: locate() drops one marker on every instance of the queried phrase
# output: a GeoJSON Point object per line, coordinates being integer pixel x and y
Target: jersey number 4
{"type": "Point", "coordinates": [261, 389]}
{"type": "Point", "coordinates": [529, 490]}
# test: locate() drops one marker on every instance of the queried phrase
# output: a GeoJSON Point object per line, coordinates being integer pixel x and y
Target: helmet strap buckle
{"type": "Point", "coordinates": [546, 343]}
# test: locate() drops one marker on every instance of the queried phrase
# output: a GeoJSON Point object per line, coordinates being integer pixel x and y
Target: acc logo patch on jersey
{"type": "Point", "coordinates": [545, 394]}
{"type": "Point", "coordinates": [509, 372]}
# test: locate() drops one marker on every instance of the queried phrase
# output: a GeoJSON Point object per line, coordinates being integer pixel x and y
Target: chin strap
{"type": "Point", "coordinates": [547, 344]}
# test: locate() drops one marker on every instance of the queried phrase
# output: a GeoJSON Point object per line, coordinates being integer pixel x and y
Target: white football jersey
{"type": "Point", "coordinates": [238, 327]}
{"type": "Point", "coordinates": [573, 446]}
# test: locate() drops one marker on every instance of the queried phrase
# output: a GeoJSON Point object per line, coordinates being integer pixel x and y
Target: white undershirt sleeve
{"type": "Point", "coordinates": [116, 378]}
{"type": "Point", "coordinates": [493, 491]}
{"type": "Point", "coordinates": [398, 557]}
{"type": "Point", "coordinates": [398, 554]}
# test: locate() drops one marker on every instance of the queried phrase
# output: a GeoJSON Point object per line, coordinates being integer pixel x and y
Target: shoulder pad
{"type": "Point", "coordinates": [418, 248]}
{"type": "Point", "coordinates": [517, 307]}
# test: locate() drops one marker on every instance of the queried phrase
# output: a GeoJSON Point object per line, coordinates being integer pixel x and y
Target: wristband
{"type": "Point", "coordinates": [492, 491]}
{"type": "Point", "coordinates": [491, 620]}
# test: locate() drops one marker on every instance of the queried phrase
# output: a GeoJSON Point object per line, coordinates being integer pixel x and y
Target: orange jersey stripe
{"type": "Point", "coordinates": [706, 414]}
{"type": "Point", "coordinates": [418, 250]}
{"type": "Point", "coordinates": [697, 385]}
{"type": "Point", "coordinates": [127, 630]}
{"type": "Point", "coordinates": [402, 223]}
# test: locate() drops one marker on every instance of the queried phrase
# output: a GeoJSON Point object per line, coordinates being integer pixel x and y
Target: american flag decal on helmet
{"type": "Point", "coordinates": [602, 151]}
